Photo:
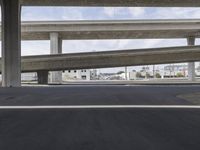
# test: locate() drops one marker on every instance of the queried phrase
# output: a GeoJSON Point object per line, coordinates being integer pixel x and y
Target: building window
{"type": "Point", "coordinates": [69, 71]}
{"type": "Point", "coordinates": [83, 77]}
{"type": "Point", "coordinates": [75, 71]}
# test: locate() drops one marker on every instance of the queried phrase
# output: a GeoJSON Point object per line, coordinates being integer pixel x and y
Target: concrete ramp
{"type": "Point", "coordinates": [108, 59]}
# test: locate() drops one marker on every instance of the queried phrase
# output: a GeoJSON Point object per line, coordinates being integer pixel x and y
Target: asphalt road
{"type": "Point", "coordinates": [97, 128]}
{"type": "Point", "coordinates": [97, 95]}
{"type": "Point", "coordinates": [100, 129]}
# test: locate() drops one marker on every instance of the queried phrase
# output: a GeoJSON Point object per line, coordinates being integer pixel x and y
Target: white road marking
{"type": "Point", "coordinates": [104, 107]}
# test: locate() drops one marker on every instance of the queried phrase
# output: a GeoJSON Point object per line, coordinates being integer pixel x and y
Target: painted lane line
{"type": "Point", "coordinates": [104, 107]}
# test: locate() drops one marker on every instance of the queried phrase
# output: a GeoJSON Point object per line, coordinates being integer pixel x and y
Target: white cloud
{"type": "Point", "coordinates": [109, 11]}
{"type": "Point", "coordinates": [174, 13]}
{"type": "Point", "coordinates": [114, 11]}
{"type": "Point", "coordinates": [35, 48]}
{"type": "Point", "coordinates": [72, 14]}
{"type": "Point", "coordinates": [136, 11]}
{"type": "Point", "coordinates": [51, 13]}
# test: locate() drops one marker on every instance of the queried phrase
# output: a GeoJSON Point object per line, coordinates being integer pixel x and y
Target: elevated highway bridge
{"type": "Point", "coordinates": [44, 63]}
{"type": "Point", "coordinates": [111, 29]}
{"type": "Point", "coordinates": [11, 29]}
{"type": "Point", "coordinates": [57, 31]}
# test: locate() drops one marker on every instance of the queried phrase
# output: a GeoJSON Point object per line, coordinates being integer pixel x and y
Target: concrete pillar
{"type": "Point", "coordinates": [11, 43]}
{"type": "Point", "coordinates": [42, 77]}
{"type": "Point", "coordinates": [126, 73]}
{"type": "Point", "coordinates": [55, 48]}
{"type": "Point", "coordinates": [191, 65]}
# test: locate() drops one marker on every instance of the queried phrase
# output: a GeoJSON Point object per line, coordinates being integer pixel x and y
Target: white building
{"type": "Point", "coordinates": [124, 76]}
{"type": "Point", "coordinates": [198, 71]}
{"type": "Point", "coordinates": [93, 74]}
{"type": "Point", "coordinates": [176, 70]}
{"type": "Point", "coordinates": [29, 76]}
{"type": "Point", "coordinates": [145, 72]}
{"type": "Point", "coordinates": [133, 75]}
{"type": "Point", "coordinates": [83, 74]}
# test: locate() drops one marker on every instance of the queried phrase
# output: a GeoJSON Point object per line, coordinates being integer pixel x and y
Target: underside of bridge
{"type": "Point", "coordinates": [11, 32]}
{"type": "Point", "coordinates": [113, 3]}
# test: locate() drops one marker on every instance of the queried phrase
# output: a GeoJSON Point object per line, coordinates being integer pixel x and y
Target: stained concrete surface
{"type": "Point", "coordinates": [191, 97]}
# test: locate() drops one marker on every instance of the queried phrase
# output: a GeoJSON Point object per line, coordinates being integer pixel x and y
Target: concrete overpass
{"type": "Point", "coordinates": [111, 29]}
{"type": "Point", "coordinates": [115, 29]}
{"type": "Point", "coordinates": [57, 31]}
{"type": "Point", "coordinates": [44, 63]}
{"type": "Point", "coordinates": [113, 3]}
{"type": "Point", "coordinates": [11, 46]}
{"type": "Point", "coordinates": [132, 57]}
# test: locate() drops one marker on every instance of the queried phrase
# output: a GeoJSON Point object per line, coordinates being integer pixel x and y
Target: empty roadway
{"type": "Point", "coordinates": [107, 129]}
{"type": "Point", "coordinates": [98, 95]}
{"type": "Point", "coordinates": [97, 128]}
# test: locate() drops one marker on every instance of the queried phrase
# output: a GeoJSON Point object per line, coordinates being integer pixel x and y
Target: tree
{"type": "Point", "coordinates": [179, 74]}
{"type": "Point", "coordinates": [120, 72]}
{"type": "Point", "coordinates": [158, 75]}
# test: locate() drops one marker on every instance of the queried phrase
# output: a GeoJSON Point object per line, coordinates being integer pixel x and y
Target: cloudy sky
{"type": "Point", "coordinates": [101, 13]}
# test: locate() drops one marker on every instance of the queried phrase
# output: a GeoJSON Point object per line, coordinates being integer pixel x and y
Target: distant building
{"type": "Point", "coordinates": [145, 72]}
{"type": "Point", "coordinates": [29, 77]}
{"type": "Point", "coordinates": [176, 70]}
{"type": "Point", "coordinates": [106, 76]}
{"type": "Point", "coordinates": [93, 74]}
{"type": "Point", "coordinates": [198, 71]}
{"type": "Point", "coordinates": [83, 74]}
{"type": "Point", "coordinates": [133, 75]}
{"type": "Point", "coordinates": [122, 76]}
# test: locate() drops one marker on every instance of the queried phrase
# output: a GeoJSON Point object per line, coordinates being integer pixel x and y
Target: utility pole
{"type": "Point", "coordinates": [153, 71]}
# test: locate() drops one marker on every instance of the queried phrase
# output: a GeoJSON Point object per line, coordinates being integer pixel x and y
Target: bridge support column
{"type": "Point", "coordinates": [42, 77]}
{"type": "Point", "coordinates": [191, 65]}
{"type": "Point", "coordinates": [11, 43]}
{"type": "Point", "coordinates": [55, 48]}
